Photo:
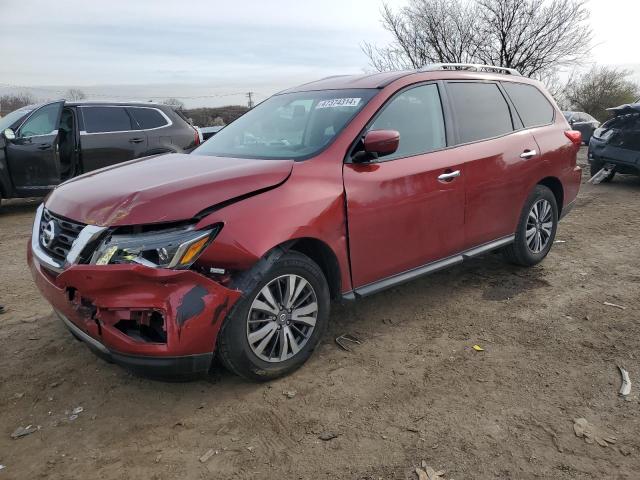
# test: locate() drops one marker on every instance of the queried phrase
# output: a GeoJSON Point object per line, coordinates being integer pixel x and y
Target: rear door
{"type": "Point", "coordinates": [401, 212]}
{"type": "Point", "coordinates": [32, 156]}
{"type": "Point", "coordinates": [162, 134]}
{"type": "Point", "coordinates": [109, 136]}
{"type": "Point", "coordinates": [497, 154]}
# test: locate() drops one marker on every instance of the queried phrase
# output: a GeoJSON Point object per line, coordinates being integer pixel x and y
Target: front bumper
{"type": "Point", "coordinates": [93, 301]}
{"type": "Point", "coordinates": [171, 368]}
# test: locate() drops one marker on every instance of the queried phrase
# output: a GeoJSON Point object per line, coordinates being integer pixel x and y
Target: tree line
{"type": "Point", "coordinates": [535, 37]}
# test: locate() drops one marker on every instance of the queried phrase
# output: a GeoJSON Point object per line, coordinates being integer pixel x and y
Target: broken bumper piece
{"type": "Point", "coordinates": [156, 322]}
{"type": "Point", "coordinates": [154, 367]}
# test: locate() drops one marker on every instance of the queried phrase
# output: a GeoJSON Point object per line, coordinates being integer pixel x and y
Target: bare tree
{"type": "Point", "coordinates": [533, 36]}
{"type": "Point", "coordinates": [75, 94]}
{"type": "Point", "coordinates": [426, 31]}
{"type": "Point", "coordinates": [601, 88]}
{"type": "Point", "coordinates": [175, 103]}
{"type": "Point", "coordinates": [9, 103]}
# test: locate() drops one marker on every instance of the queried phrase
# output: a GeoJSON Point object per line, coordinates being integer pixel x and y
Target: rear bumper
{"type": "Point", "coordinates": [628, 160]}
{"type": "Point", "coordinates": [104, 305]}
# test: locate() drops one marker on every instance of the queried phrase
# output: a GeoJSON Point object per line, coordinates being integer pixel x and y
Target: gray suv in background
{"type": "Point", "coordinates": [44, 145]}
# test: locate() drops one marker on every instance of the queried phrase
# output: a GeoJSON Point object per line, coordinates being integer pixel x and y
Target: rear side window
{"type": "Point", "coordinates": [147, 117]}
{"type": "Point", "coordinates": [532, 106]}
{"type": "Point", "coordinates": [417, 115]}
{"type": "Point", "coordinates": [106, 119]}
{"type": "Point", "coordinates": [480, 109]}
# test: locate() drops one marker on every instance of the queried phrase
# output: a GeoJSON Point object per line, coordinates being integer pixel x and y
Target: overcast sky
{"type": "Point", "coordinates": [160, 48]}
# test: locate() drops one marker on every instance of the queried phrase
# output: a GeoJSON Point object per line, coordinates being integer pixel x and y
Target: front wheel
{"type": "Point", "coordinates": [536, 229]}
{"type": "Point", "coordinates": [278, 322]}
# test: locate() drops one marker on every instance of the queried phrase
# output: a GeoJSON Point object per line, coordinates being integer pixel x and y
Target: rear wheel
{"type": "Point", "coordinates": [595, 167]}
{"type": "Point", "coordinates": [536, 229]}
{"type": "Point", "coordinates": [276, 325]}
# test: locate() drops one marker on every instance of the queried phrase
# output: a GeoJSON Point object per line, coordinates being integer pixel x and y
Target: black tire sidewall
{"type": "Point", "coordinates": [233, 345]}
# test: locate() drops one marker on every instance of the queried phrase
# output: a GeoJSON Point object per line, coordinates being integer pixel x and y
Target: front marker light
{"type": "Point", "coordinates": [193, 251]}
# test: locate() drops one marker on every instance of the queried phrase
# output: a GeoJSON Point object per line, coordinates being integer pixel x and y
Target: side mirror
{"type": "Point", "coordinates": [9, 134]}
{"type": "Point", "coordinates": [378, 143]}
{"type": "Point", "coordinates": [382, 142]}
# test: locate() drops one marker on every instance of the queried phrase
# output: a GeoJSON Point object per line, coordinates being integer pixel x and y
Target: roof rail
{"type": "Point", "coordinates": [469, 66]}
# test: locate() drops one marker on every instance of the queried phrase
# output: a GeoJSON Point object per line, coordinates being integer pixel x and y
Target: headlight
{"type": "Point", "coordinates": [175, 248]}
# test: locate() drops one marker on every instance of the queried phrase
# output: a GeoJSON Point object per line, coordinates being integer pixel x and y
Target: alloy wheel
{"type": "Point", "coordinates": [282, 318]}
{"type": "Point", "coordinates": [539, 226]}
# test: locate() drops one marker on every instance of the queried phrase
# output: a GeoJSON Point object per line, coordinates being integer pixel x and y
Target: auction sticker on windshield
{"type": "Point", "coordinates": [339, 102]}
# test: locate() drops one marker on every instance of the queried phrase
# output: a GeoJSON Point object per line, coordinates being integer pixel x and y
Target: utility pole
{"type": "Point", "coordinates": [250, 97]}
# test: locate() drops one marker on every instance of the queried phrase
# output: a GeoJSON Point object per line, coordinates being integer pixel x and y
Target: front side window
{"type": "Point", "coordinates": [480, 109]}
{"type": "Point", "coordinates": [106, 119]}
{"type": "Point", "coordinates": [147, 118]}
{"type": "Point", "coordinates": [532, 106]}
{"type": "Point", "coordinates": [43, 122]}
{"type": "Point", "coordinates": [288, 126]}
{"type": "Point", "coordinates": [417, 115]}
{"type": "Point", "coordinates": [14, 117]}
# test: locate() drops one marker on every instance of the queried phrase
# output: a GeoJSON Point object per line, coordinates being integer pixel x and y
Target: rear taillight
{"type": "Point", "coordinates": [196, 138]}
{"type": "Point", "coordinates": [575, 137]}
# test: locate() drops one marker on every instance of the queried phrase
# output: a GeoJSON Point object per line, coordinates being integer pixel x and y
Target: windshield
{"type": "Point", "coordinates": [288, 126]}
{"type": "Point", "coordinates": [13, 117]}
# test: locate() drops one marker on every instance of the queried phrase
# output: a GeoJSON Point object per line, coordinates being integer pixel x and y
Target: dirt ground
{"type": "Point", "coordinates": [414, 390]}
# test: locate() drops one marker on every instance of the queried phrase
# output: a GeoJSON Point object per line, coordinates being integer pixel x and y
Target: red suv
{"type": "Point", "coordinates": [338, 188]}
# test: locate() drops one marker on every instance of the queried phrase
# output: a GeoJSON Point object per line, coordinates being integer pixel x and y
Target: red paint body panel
{"type": "Point", "coordinates": [116, 290]}
{"type": "Point", "coordinates": [166, 188]}
{"type": "Point", "coordinates": [401, 216]}
{"type": "Point", "coordinates": [378, 219]}
{"type": "Point", "coordinates": [497, 184]}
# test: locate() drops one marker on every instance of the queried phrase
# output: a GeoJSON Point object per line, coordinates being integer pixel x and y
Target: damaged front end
{"type": "Point", "coordinates": [133, 295]}
{"type": "Point", "coordinates": [617, 141]}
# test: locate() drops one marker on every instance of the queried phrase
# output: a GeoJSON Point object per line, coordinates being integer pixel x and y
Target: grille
{"type": "Point", "coordinates": [65, 233]}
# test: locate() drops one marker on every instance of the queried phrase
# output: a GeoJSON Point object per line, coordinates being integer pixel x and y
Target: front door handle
{"type": "Point", "coordinates": [448, 176]}
{"type": "Point", "coordinates": [136, 140]}
{"type": "Point", "coordinates": [528, 154]}
{"type": "Point", "coordinates": [44, 146]}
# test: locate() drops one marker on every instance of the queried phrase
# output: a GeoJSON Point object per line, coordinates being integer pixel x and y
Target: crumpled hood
{"type": "Point", "coordinates": [164, 188]}
{"type": "Point", "coordinates": [626, 108]}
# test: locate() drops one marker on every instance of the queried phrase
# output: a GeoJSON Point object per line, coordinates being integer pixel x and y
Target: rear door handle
{"type": "Point", "coordinates": [528, 154]}
{"type": "Point", "coordinates": [44, 146]}
{"type": "Point", "coordinates": [448, 176]}
{"type": "Point", "coordinates": [136, 140]}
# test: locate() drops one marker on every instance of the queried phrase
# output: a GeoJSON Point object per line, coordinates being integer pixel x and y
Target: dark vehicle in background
{"type": "Point", "coordinates": [583, 123]}
{"type": "Point", "coordinates": [44, 145]}
{"type": "Point", "coordinates": [208, 132]}
{"type": "Point", "coordinates": [617, 142]}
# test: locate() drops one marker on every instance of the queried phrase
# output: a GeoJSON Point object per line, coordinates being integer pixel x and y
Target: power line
{"type": "Point", "coordinates": [104, 95]}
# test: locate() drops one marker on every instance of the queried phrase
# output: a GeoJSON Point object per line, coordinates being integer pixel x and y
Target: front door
{"type": "Point", "coordinates": [33, 155]}
{"type": "Point", "coordinates": [406, 209]}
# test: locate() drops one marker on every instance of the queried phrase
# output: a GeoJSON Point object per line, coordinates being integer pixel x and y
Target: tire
{"type": "Point", "coordinates": [596, 166]}
{"type": "Point", "coordinates": [526, 251]}
{"type": "Point", "coordinates": [256, 360]}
